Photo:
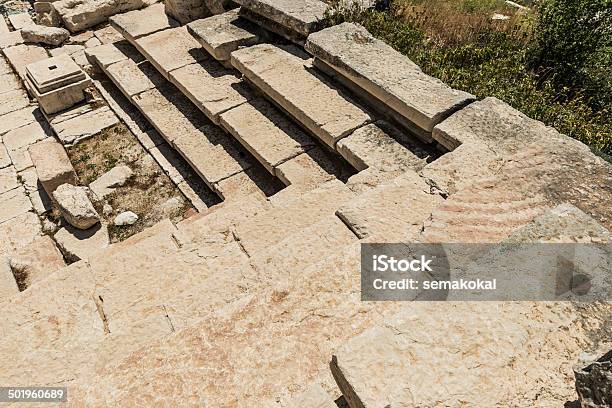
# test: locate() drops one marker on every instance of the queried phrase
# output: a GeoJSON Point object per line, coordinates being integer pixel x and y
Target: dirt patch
{"type": "Point", "coordinates": [149, 192]}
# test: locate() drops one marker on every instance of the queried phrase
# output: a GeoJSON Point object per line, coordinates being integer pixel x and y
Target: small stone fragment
{"type": "Point", "coordinates": [126, 218]}
{"type": "Point", "coordinates": [35, 33]}
{"type": "Point", "coordinates": [106, 183]}
{"type": "Point", "coordinates": [75, 206]}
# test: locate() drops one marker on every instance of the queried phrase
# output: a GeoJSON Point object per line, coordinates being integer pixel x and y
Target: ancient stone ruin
{"type": "Point", "coordinates": [185, 187]}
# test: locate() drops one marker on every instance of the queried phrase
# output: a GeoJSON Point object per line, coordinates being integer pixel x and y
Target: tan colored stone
{"type": "Point", "coordinates": [75, 206]}
{"type": "Point", "coordinates": [304, 17]}
{"type": "Point", "coordinates": [85, 126]}
{"type": "Point", "coordinates": [9, 82]}
{"type": "Point", "coordinates": [20, 20]}
{"type": "Point", "coordinates": [8, 285]}
{"type": "Point", "coordinates": [134, 79]}
{"type": "Point", "coordinates": [52, 165]}
{"type": "Point", "coordinates": [211, 87]}
{"type": "Point", "coordinates": [311, 100]}
{"type": "Point", "coordinates": [13, 100]}
{"type": "Point", "coordinates": [108, 35]}
{"type": "Point", "coordinates": [3, 26]}
{"type": "Point", "coordinates": [68, 49]}
{"type": "Point", "coordinates": [314, 397]}
{"type": "Point", "coordinates": [40, 201]}
{"type": "Point", "coordinates": [92, 42]}
{"type": "Point", "coordinates": [5, 159]}
{"type": "Point", "coordinates": [169, 160]}
{"type": "Point", "coordinates": [18, 232]}
{"type": "Point", "coordinates": [24, 136]}
{"type": "Point", "coordinates": [10, 39]}
{"type": "Point", "coordinates": [13, 203]}
{"type": "Point", "coordinates": [29, 179]}
{"type": "Point", "coordinates": [43, 34]}
{"type": "Point", "coordinates": [21, 159]}
{"type": "Point", "coordinates": [46, 14]}
{"type": "Point", "coordinates": [78, 15]}
{"type": "Point", "coordinates": [170, 49]}
{"type": "Point", "coordinates": [109, 181]}
{"type": "Point", "coordinates": [8, 179]}
{"type": "Point", "coordinates": [20, 56]}
{"type": "Point", "coordinates": [107, 54]}
{"type": "Point", "coordinates": [253, 180]}
{"type": "Point", "coordinates": [36, 261]}
{"type": "Point", "coordinates": [309, 169]}
{"type": "Point", "coordinates": [77, 244]}
{"type": "Point", "coordinates": [5, 68]}
{"type": "Point", "coordinates": [224, 33]}
{"type": "Point", "coordinates": [139, 23]}
{"type": "Point", "coordinates": [265, 132]}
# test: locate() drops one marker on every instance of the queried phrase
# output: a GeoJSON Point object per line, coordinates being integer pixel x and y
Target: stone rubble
{"type": "Point", "coordinates": [109, 181]}
{"type": "Point", "coordinates": [52, 165]}
{"type": "Point", "coordinates": [35, 33]}
{"type": "Point", "coordinates": [75, 206]}
{"type": "Point", "coordinates": [125, 218]}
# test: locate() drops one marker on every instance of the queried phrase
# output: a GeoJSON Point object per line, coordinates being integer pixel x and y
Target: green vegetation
{"type": "Point", "coordinates": [552, 63]}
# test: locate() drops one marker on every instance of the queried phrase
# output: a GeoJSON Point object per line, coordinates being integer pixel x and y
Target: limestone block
{"type": "Point", "coordinates": [107, 54]}
{"type": "Point", "coordinates": [85, 126]}
{"type": "Point", "coordinates": [24, 136]}
{"type": "Point", "coordinates": [52, 165]}
{"type": "Point", "coordinates": [134, 78]}
{"type": "Point", "coordinates": [20, 56]}
{"type": "Point", "coordinates": [303, 17]}
{"type": "Point", "coordinates": [75, 206]}
{"type": "Point", "coordinates": [223, 34]}
{"type": "Point", "coordinates": [311, 100]}
{"type": "Point", "coordinates": [170, 49]}
{"type": "Point", "coordinates": [19, 231]}
{"type": "Point", "coordinates": [251, 181]}
{"type": "Point", "coordinates": [398, 83]}
{"type": "Point", "coordinates": [211, 87]}
{"type": "Point", "coordinates": [3, 26]}
{"type": "Point", "coordinates": [40, 201]}
{"type": "Point", "coordinates": [402, 204]}
{"type": "Point", "coordinates": [125, 218]}
{"type": "Point", "coordinates": [9, 82]}
{"type": "Point", "coordinates": [185, 11]}
{"type": "Point", "coordinates": [29, 179]}
{"type": "Point", "coordinates": [138, 23]}
{"type": "Point", "coordinates": [108, 35]}
{"type": "Point", "coordinates": [77, 244]}
{"type": "Point", "coordinates": [5, 159]}
{"type": "Point", "coordinates": [46, 14]}
{"type": "Point", "coordinates": [13, 100]}
{"type": "Point", "coordinates": [13, 203]}
{"type": "Point", "coordinates": [35, 33]}
{"type": "Point", "coordinates": [10, 39]}
{"type": "Point", "coordinates": [266, 132]}
{"type": "Point", "coordinates": [78, 15]}
{"type": "Point", "coordinates": [106, 183]}
{"type": "Point", "coordinates": [36, 261]}
{"type": "Point", "coordinates": [20, 20]}
{"type": "Point", "coordinates": [310, 169]}
{"type": "Point", "coordinates": [8, 285]}
{"type": "Point", "coordinates": [8, 179]}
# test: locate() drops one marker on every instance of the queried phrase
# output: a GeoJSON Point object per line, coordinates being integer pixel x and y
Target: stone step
{"type": "Point", "coordinates": [293, 20]}
{"type": "Point", "coordinates": [269, 228]}
{"type": "Point", "coordinates": [286, 77]}
{"type": "Point", "coordinates": [402, 204]}
{"type": "Point", "coordinates": [266, 132]}
{"type": "Point", "coordinates": [265, 343]}
{"type": "Point", "coordinates": [224, 33]}
{"type": "Point", "coordinates": [399, 84]}
{"type": "Point", "coordinates": [139, 23]}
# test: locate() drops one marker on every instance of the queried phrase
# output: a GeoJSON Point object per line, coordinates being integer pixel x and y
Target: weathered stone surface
{"type": "Point", "coordinates": [85, 126]}
{"type": "Point", "coordinates": [8, 179]}
{"type": "Point", "coordinates": [9, 82]}
{"type": "Point", "coordinates": [402, 204]}
{"type": "Point", "coordinates": [46, 14]}
{"type": "Point", "coordinates": [398, 83]}
{"type": "Point", "coordinates": [13, 203]}
{"type": "Point", "coordinates": [42, 34]}
{"type": "Point", "coordinates": [36, 261]}
{"type": "Point", "coordinates": [92, 42]}
{"type": "Point", "coordinates": [593, 374]}
{"type": "Point", "coordinates": [251, 181]}
{"type": "Point", "coordinates": [52, 165]}
{"type": "Point", "coordinates": [134, 78]}
{"type": "Point", "coordinates": [107, 54]}
{"type": "Point", "coordinates": [376, 145]}
{"type": "Point", "coordinates": [67, 49]}
{"type": "Point", "coordinates": [311, 100]}
{"type": "Point", "coordinates": [186, 11]}
{"type": "Point", "coordinates": [309, 169]}
{"type": "Point", "coordinates": [18, 232]}
{"type": "Point", "coordinates": [20, 56]}
{"type": "Point", "coordinates": [53, 73]}
{"type": "Point", "coordinates": [271, 227]}
{"type": "Point", "coordinates": [108, 35]}
{"type": "Point", "coordinates": [78, 15]}
{"type": "Point", "coordinates": [266, 132]}
{"type": "Point", "coordinates": [77, 244]}
{"type": "Point", "coordinates": [138, 23]}
{"type": "Point", "coordinates": [314, 397]}
{"type": "Point", "coordinates": [24, 136]}
{"type": "Point", "coordinates": [29, 179]}
{"type": "Point", "coordinates": [223, 34]}
{"type": "Point", "coordinates": [75, 206]}
{"type": "Point", "coordinates": [13, 100]}
{"type": "Point", "coordinates": [211, 87]}
{"type": "Point", "coordinates": [126, 218]}
{"type": "Point", "coordinates": [40, 201]}
{"type": "Point", "coordinates": [3, 27]}
{"type": "Point", "coordinates": [5, 159]}
{"type": "Point", "coordinates": [10, 39]}
{"type": "Point", "coordinates": [20, 20]}
{"type": "Point", "coordinates": [106, 183]}
{"type": "Point", "coordinates": [8, 285]}
{"type": "Point", "coordinates": [303, 17]}
{"type": "Point", "coordinates": [170, 49]}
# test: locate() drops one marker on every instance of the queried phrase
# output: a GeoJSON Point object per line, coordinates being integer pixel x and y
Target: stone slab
{"type": "Point", "coordinates": [68, 49]}
{"type": "Point", "coordinates": [29, 180]}
{"type": "Point", "coordinates": [73, 130]}
{"type": "Point", "coordinates": [62, 98]}
{"type": "Point", "coordinates": [40, 201]}
{"type": "Point", "coordinates": [108, 35]}
{"type": "Point", "coordinates": [13, 203]}
{"type": "Point", "coordinates": [309, 169]}
{"type": "Point", "coordinates": [374, 146]}
{"type": "Point", "coordinates": [5, 68]}
{"type": "Point", "coordinates": [82, 14]}
{"type": "Point", "coordinates": [20, 56]}
{"type": "Point", "coordinates": [20, 158]}
{"type": "Point", "coordinates": [171, 49]}
{"type": "Point", "coordinates": [53, 73]}
{"type": "Point", "coordinates": [400, 205]}
{"type": "Point", "coordinates": [266, 132]}
{"type": "Point", "coordinates": [24, 136]}
{"type": "Point", "coordinates": [308, 98]}
{"type": "Point", "coordinates": [8, 285]}
{"type": "Point", "coordinates": [9, 82]}
{"type": "Point", "coordinates": [18, 232]}
{"type": "Point", "coordinates": [213, 88]}
{"type": "Point", "coordinates": [3, 26]}
{"type": "Point", "coordinates": [52, 165]}
{"type": "Point", "coordinates": [20, 20]}
{"type": "Point", "coordinates": [13, 100]}
{"type": "Point", "coordinates": [304, 17]}
{"type": "Point", "coordinates": [138, 23]}
{"type": "Point", "coordinates": [399, 83]}
{"type": "Point", "coordinates": [5, 159]}
{"type": "Point", "coordinates": [8, 179]}
{"type": "Point", "coordinates": [10, 39]}
{"type": "Point", "coordinates": [36, 261]}
{"type": "Point", "coordinates": [254, 180]}
{"type": "Point", "coordinates": [314, 397]}
{"type": "Point", "coordinates": [134, 78]}
{"type": "Point", "coordinates": [77, 244]}
{"type": "Point", "coordinates": [224, 33]}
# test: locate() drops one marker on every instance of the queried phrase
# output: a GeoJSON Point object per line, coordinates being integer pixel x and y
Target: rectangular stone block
{"type": "Point", "coordinates": [13, 203]}
{"type": "Point", "coordinates": [20, 56]}
{"type": "Point", "coordinates": [213, 88]}
{"type": "Point", "coordinates": [18, 118]}
{"type": "Point", "coordinates": [24, 136]}
{"type": "Point", "coordinates": [398, 83]}
{"type": "Point", "coordinates": [85, 126]}
{"type": "Point", "coordinates": [311, 100]}
{"type": "Point", "coordinates": [303, 17]}
{"type": "Point", "coordinates": [13, 100]}
{"type": "Point", "coordinates": [224, 33]}
{"type": "Point", "coordinates": [134, 78]}
{"type": "Point", "coordinates": [138, 23]}
{"type": "Point", "coordinates": [8, 179]}
{"type": "Point", "coordinates": [80, 15]}
{"type": "Point", "coordinates": [266, 132]}
{"type": "Point", "coordinates": [52, 165]}
{"type": "Point", "coordinates": [18, 232]}
{"type": "Point", "coordinates": [8, 285]}
{"type": "Point", "coordinates": [171, 49]}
